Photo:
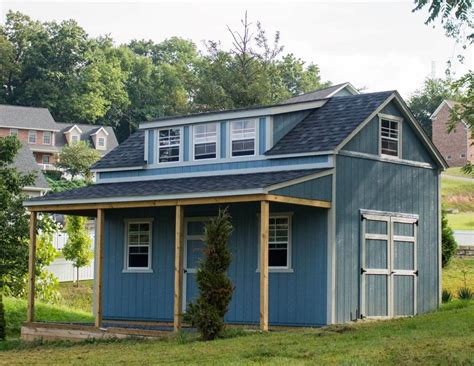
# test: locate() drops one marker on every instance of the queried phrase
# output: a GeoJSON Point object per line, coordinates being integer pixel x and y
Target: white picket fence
{"type": "Point", "coordinates": [63, 269]}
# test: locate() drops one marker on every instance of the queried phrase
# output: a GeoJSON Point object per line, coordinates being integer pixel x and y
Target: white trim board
{"type": "Point", "coordinates": [212, 173]}
{"type": "Point", "coordinates": [229, 115]}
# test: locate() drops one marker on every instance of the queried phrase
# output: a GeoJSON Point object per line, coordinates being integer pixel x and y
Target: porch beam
{"type": "Point", "coordinates": [99, 259]}
{"type": "Point", "coordinates": [178, 268]}
{"type": "Point", "coordinates": [30, 316]}
{"type": "Point", "coordinates": [264, 233]}
{"type": "Point", "coordinates": [182, 202]}
{"type": "Point", "coordinates": [298, 201]}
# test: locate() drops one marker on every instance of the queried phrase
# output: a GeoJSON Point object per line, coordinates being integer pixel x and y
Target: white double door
{"type": "Point", "coordinates": [388, 265]}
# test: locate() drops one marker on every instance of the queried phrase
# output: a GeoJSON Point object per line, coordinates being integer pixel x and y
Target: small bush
{"type": "Point", "coordinates": [465, 293]}
{"type": "Point", "coordinates": [448, 243]}
{"type": "Point", "coordinates": [215, 287]}
{"type": "Point", "coordinates": [446, 296]}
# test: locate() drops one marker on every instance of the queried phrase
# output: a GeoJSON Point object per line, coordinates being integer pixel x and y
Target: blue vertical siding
{"type": "Point", "coordinates": [262, 133]}
{"type": "Point", "coordinates": [223, 139]}
{"type": "Point", "coordinates": [187, 143]}
{"type": "Point", "coordinates": [317, 189]}
{"type": "Point", "coordinates": [297, 298]}
{"type": "Point", "coordinates": [375, 185]}
{"type": "Point", "coordinates": [284, 123]}
{"type": "Point", "coordinates": [151, 146]}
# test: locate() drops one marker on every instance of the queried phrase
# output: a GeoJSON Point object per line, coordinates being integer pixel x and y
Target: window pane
{"type": "Point", "coordinates": [389, 147]}
{"type": "Point", "coordinates": [205, 151]}
{"type": "Point", "coordinates": [243, 147]}
{"type": "Point", "coordinates": [138, 261]}
{"type": "Point", "coordinates": [277, 258]}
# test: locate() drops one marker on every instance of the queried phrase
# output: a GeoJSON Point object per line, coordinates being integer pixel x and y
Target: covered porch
{"type": "Point", "coordinates": [167, 286]}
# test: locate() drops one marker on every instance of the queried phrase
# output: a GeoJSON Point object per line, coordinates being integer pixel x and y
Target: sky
{"type": "Point", "coordinates": [375, 45]}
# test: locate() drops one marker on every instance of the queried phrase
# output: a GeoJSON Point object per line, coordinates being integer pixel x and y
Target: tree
{"type": "Point", "coordinates": [77, 159]}
{"type": "Point", "coordinates": [424, 101]}
{"type": "Point", "coordinates": [13, 216]}
{"type": "Point", "coordinates": [215, 288]}
{"type": "Point", "coordinates": [448, 243]}
{"type": "Point", "coordinates": [78, 246]}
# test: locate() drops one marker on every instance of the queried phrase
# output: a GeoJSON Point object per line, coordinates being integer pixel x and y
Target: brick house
{"type": "Point", "coordinates": [457, 146]}
{"type": "Point", "coordinates": [45, 137]}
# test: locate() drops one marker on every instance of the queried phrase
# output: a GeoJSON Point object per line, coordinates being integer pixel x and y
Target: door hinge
{"type": "Point", "coordinates": [362, 271]}
{"type": "Point", "coordinates": [416, 273]}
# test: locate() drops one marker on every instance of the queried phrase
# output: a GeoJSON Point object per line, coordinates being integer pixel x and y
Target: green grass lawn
{"type": "Point", "coordinates": [441, 337]}
{"type": "Point", "coordinates": [453, 276]}
{"type": "Point", "coordinates": [461, 221]}
{"type": "Point", "coordinates": [457, 172]}
{"type": "Point", "coordinates": [77, 297]}
{"type": "Point", "coordinates": [459, 195]}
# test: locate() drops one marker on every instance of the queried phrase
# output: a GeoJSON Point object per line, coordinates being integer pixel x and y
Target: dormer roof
{"type": "Point", "coordinates": [71, 128]}
{"type": "Point", "coordinates": [324, 93]}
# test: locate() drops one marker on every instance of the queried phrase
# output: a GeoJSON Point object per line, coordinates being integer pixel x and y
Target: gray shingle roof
{"type": "Point", "coordinates": [178, 186]}
{"type": "Point", "coordinates": [26, 117]}
{"type": "Point", "coordinates": [129, 153]}
{"type": "Point", "coordinates": [87, 131]}
{"type": "Point", "coordinates": [25, 163]}
{"type": "Point", "coordinates": [315, 95]}
{"type": "Point", "coordinates": [326, 127]}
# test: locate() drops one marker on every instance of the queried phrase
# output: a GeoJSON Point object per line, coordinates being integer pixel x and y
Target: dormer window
{"type": "Point", "coordinates": [47, 138]}
{"type": "Point", "coordinates": [205, 141]}
{"type": "Point", "coordinates": [101, 142]}
{"type": "Point", "coordinates": [390, 136]}
{"type": "Point", "coordinates": [74, 139]}
{"type": "Point", "coordinates": [243, 138]}
{"type": "Point", "coordinates": [32, 137]}
{"type": "Point", "coordinates": [169, 145]}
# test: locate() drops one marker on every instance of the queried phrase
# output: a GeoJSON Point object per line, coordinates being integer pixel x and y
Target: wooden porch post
{"type": "Point", "coordinates": [178, 268]}
{"type": "Point", "coordinates": [30, 316]}
{"type": "Point", "coordinates": [264, 228]}
{"type": "Point", "coordinates": [99, 252]}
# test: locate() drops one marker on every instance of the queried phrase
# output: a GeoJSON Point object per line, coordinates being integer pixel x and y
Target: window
{"type": "Point", "coordinates": [13, 132]}
{"type": "Point", "coordinates": [448, 157]}
{"type": "Point", "coordinates": [389, 137]}
{"type": "Point", "coordinates": [138, 245]}
{"type": "Point", "coordinates": [32, 137]}
{"type": "Point", "coordinates": [168, 145]}
{"type": "Point", "coordinates": [101, 142]}
{"type": "Point", "coordinates": [74, 139]}
{"type": "Point", "coordinates": [243, 136]}
{"type": "Point", "coordinates": [45, 159]}
{"type": "Point", "coordinates": [463, 155]}
{"type": "Point", "coordinates": [47, 138]}
{"type": "Point", "coordinates": [205, 141]}
{"type": "Point", "coordinates": [279, 242]}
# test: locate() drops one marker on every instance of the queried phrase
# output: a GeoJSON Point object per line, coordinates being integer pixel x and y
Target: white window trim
{"type": "Point", "coordinates": [98, 142]}
{"type": "Point", "coordinates": [218, 142]}
{"type": "Point", "coordinates": [289, 267]}
{"type": "Point", "coordinates": [391, 118]}
{"type": "Point", "coordinates": [13, 129]}
{"type": "Point", "coordinates": [49, 159]}
{"type": "Point", "coordinates": [157, 145]}
{"type": "Point", "coordinates": [72, 139]}
{"type": "Point", "coordinates": [50, 138]}
{"type": "Point", "coordinates": [126, 268]}
{"type": "Point", "coordinates": [256, 138]}
{"type": "Point", "coordinates": [32, 133]}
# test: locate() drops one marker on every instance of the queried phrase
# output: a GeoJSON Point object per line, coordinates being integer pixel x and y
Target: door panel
{"type": "Point", "coordinates": [403, 255]}
{"type": "Point", "coordinates": [376, 295]}
{"type": "Point", "coordinates": [403, 290]}
{"type": "Point", "coordinates": [193, 253]}
{"type": "Point", "coordinates": [376, 254]}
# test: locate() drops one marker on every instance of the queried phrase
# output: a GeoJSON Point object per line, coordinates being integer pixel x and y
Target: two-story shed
{"type": "Point", "coordinates": [334, 198]}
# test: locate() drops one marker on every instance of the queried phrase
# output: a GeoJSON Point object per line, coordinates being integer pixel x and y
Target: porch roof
{"type": "Point", "coordinates": [173, 189]}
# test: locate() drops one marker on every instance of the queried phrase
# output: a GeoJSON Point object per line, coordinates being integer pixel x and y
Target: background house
{"type": "Point", "coordinates": [45, 137]}
{"type": "Point", "coordinates": [456, 146]}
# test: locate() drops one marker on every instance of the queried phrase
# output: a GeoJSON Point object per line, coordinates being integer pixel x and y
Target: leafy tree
{"type": "Point", "coordinates": [448, 243]}
{"type": "Point", "coordinates": [215, 288]}
{"type": "Point", "coordinates": [13, 216]}
{"type": "Point", "coordinates": [78, 247]}
{"type": "Point", "coordinates": [77, 159]}
{"type": "Point", "coordinates": [3, 324]}
{"type": "Point", "coordinates": [62, 185]}
{"type": "Point", "coordinates": [424, 101]}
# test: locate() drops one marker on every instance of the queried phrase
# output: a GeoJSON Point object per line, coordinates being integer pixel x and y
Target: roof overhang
{"type": "Point", "coordinates": [234, 114]}
{"type": "Point", "coordinates": [347, 86]}
{"type": "Point", "coordinates": [72, 128]}
{"type": "Point", "coordinates": [29, 128]}
{"type": "Point", "coordinates": [99, 130]}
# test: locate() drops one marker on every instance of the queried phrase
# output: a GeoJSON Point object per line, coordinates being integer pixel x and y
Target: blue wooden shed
{"type": "Point", "coordinates": [334, 198]}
